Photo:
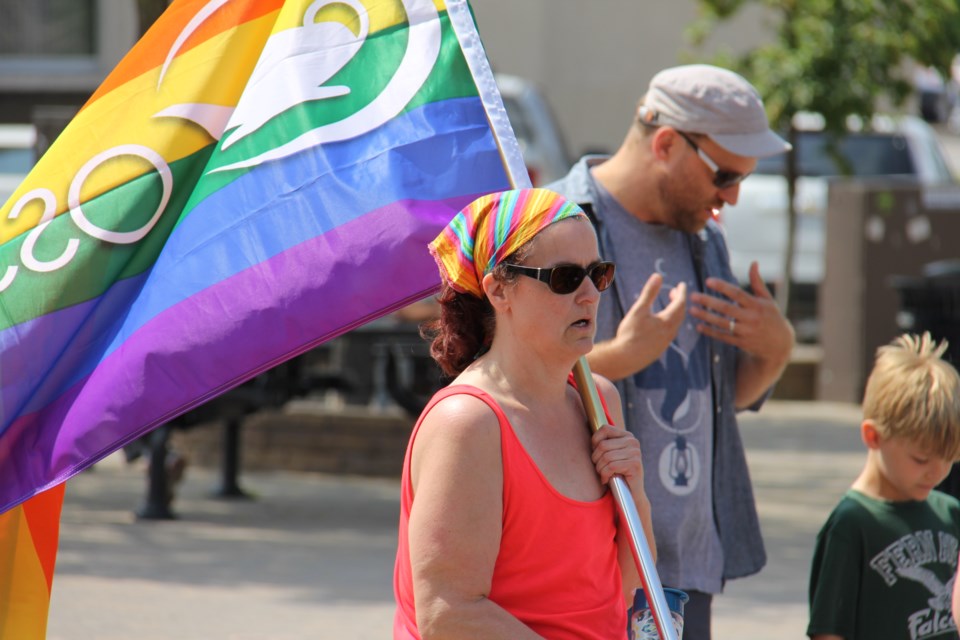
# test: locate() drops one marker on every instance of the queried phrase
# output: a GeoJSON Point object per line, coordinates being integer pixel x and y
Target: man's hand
{"type": "Point", "coordinates": [753, 323]}
{"type": "Point", "coordinates": [642, 335]}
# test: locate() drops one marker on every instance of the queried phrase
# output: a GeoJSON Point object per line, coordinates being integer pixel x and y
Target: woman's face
{"type": "Point", "coordinates": [556, 321]}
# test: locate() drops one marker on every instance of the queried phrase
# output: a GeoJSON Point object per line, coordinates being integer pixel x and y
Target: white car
{"type": "Point", "coordinates": [756, 228]}
{"type": "Point", "coordinates": [16, 156]}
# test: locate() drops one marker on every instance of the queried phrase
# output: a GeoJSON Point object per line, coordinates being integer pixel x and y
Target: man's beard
{"type": "Point", "coordinates": [680, 210]}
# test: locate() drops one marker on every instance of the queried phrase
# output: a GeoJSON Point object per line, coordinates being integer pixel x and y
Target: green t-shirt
{"type": "Point", "coordinates": [885, 570]}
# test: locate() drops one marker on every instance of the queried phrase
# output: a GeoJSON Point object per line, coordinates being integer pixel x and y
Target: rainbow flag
{"type": "Point", "coordinates": [254, 178]}
{"type": "Point", "coordinates": [28, 552]}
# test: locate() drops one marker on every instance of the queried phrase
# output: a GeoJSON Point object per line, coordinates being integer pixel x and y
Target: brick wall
{"type": "Point", "coordinates": [350, 440]}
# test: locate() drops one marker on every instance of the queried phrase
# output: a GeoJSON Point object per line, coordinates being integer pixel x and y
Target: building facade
{"type": "Point", "coordinates": [592, 60]}
{"type": "Point", "coordinates": [56, 52]}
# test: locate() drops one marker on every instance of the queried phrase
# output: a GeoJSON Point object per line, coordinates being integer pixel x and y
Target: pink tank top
{"type": "Point", "coordinates": [557, 570]}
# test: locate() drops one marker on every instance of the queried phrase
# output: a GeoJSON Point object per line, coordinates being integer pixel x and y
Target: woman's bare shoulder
{"type": "Point", "coordinates": [460, 416]}
{"type": "Point", "coordinates": [608, 391]}
{"type": "Point", "coordinates": [458, 438]}
{"type": "Point", "coordinates": [606, 388]}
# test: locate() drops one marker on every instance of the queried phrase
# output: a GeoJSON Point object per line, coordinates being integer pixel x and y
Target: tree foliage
{"type": "Point", "coordinates": [838, 58]}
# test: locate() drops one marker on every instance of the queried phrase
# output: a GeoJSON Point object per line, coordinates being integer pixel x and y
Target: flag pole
{"type": "Point", "coordinates": [628, 511]}
{"type": "Point", "coordinates": [463, 25]}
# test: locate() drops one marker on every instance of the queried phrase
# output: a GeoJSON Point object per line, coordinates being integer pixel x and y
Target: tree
{"type": "Point", "coordinates": [839, 58]}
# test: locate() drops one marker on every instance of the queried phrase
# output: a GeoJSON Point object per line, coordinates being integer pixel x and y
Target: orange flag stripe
{"type": "Point", "coordinates": [223, 19]}
{"type": "Point", "coordinates": [28, 553]}
{"type": "Point", "coordinates": [42, 513]}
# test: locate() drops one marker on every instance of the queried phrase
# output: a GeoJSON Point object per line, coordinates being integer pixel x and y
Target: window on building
{"type": "Point", "coordinates": [41, 28]}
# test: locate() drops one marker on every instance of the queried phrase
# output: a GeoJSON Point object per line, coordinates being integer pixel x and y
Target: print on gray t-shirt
{"type": "Point", "coordinates": [674, 418]}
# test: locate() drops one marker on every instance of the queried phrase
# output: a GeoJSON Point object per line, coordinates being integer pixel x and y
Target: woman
{"type": "Point", "coordinates": [506, 527]}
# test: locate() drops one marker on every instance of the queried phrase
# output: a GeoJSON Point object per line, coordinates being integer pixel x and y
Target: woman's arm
{"type": "Point", "coordinates": [617, 452]}
{"type": "Point", "coordinates": [455, 523]}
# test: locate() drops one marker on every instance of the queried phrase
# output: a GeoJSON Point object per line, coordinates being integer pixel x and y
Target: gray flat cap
{"type": "Point", "coordinates": [719, 103]}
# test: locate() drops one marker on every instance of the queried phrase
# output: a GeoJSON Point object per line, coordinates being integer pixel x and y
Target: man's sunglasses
{"type": "Point", "coordinates": [566, 278]}
{"type": "Point", "coordinates": [722, 179]}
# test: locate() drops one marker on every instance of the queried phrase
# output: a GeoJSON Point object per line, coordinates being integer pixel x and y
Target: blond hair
{"type": "Point", "coordinates": [913, 393]}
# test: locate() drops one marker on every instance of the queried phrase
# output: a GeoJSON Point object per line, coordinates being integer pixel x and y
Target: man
{"type": "Point", "coordinates": [684, 370]}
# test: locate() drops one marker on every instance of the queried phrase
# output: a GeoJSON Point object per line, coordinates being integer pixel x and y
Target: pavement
{"type": "Point", "coordinates": [311, 556]}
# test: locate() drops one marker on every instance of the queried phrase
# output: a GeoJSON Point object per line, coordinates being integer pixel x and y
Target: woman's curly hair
{"type": "Point", "coordinates": [465, 327]}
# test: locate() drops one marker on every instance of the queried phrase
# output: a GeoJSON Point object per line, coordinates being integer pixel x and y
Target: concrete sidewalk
{"type": "Point", "coordinates": [312, 555]}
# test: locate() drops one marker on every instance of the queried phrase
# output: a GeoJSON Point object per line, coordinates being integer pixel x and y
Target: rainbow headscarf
{"type": "Point", "coordinates": [491, 228]}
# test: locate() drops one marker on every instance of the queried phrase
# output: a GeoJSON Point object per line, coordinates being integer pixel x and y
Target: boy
{"type": "Point", "coordinates": [885, 560]}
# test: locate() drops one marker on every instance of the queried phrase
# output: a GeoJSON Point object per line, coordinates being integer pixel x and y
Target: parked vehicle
{"type": "Point", "coordinates": [543, 147]}
{"type": "Point", "coordinates": [936, 96]}
{"type": "Point", "coordinates": [16, 156]}
{"type": "Point", "coordinates": [905, 148]}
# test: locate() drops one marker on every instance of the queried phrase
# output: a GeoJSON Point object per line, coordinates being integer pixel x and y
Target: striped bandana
{"type": "Point", "coordinates": [491, 228]}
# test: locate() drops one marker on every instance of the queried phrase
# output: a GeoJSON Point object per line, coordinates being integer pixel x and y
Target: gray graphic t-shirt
{"type": "Point", "coordinates": [674, 418]}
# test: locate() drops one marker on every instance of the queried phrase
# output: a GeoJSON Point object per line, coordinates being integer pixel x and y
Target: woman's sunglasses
{"type": "Point", "coordinates": [566, 278]}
